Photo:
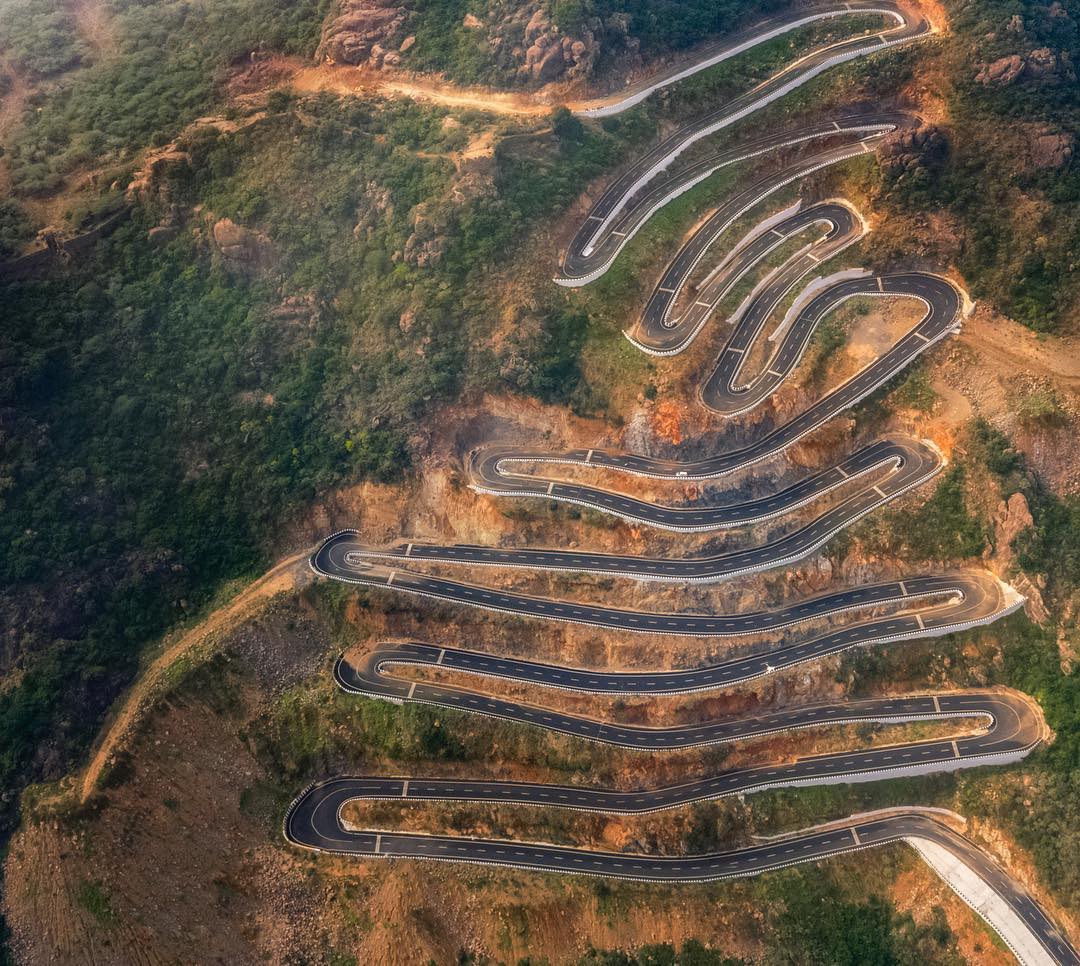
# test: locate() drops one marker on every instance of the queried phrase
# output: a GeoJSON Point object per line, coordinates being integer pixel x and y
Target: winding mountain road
{"type": "Point", "coordinates": [915, 607]}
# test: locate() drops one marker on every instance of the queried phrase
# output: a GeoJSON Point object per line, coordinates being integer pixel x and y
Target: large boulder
{"type": "Point", "coordinates": [1002, 71]}
{"type": "Point", "coordinates": [242, 249]}
{"type": "Point", "coordinates": [363, 31]}
{"type": "Point", "coordinates": [1050, 149]}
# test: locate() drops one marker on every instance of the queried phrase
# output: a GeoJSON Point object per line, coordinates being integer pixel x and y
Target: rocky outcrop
{"type": "Point", "coordinates": [1051, 149]}
{"type": "Point", "coordinates": [550, 55]}
{"type": "Point", "coordinates": [368, 32]}
{"type": "Point", "coordinates": [1040, 63]}
{"type": "Point", "coordinates": [426, 245]}
{"type": "Point", "coordinates": [911, 148]}
{"type": "Point", "coordinates": [1002, 71]}
{"type": "Point", "coordinates": [242, 249]}
{"type": "Point", "coordinates": [1013, 517]}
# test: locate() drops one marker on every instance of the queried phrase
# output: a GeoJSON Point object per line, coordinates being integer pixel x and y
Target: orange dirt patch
{"type": "Point", "coordinates": [355, 80]}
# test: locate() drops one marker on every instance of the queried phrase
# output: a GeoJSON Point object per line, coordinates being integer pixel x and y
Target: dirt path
{"type": "Point", "coordinates": [94, 24]}
{"type": "Point", "coordinates": [341, 79]}
{"type": "Point", "coordinates": [11, 110]}
{"type": "Point", "coordinates": [289, 574]}
{"type": "Point", "coordinates": [1014, 347]}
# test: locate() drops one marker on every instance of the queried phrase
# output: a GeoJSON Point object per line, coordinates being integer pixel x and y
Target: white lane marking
{"type": "Point", "coordinates": [776, 231]}
{"type": "Point", "coordinates": [937, 705]}
{"type": "Point", "coordinates": [866, 147]}
{"type": "Point", "coordinates": [918, 618]}
{"type": "Point", "coordinates": [670, 291]}
{"type": "Point", "coordinates": [412, 688]}
{"type": "Point", "coordinates": [881, 285]}
{"type": "Point", "coordinates": [956, 750]}
{"type": "Point", "coordinates": [704, 305]}
{"type": "Point", "coordinates": [813, 257]}
{"type": "Point", "coordinates": [773, 372]}
{"type": "Point", "coordinates": [903, 588]}
{"type": "Point", "coordinates": [588, 456]}
{"type": "Point", "coordinates": [442, 654]}
{"type": "Point", "coordinates": [880, 492]}
{"type": "Point", "coordinates": [408, 550]}
{"type": "Point", "coordinates": [923, 337]}
{"type": "Point", "coordinates": [855, 835]}
{"type": "Point", "coordinates": [378, 842]}
{"type": "Point", "coordinates": [405, 788]}
{"type": "Point", "coordinates": [834, 124]}
{"type": "Point", "coordinates": [551, 486]}
{"type": "Point", "coordinates": [844, 473]}
{"type": "Point", "coordinates": [390, 579]}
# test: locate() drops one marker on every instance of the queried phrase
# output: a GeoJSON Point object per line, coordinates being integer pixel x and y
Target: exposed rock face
{"type": "Point", "coordinates": [550, 55]}
{"type": "Point", "coordinates": [1010, 520]}
{"type": "Point", "coordinates": [241, 248]}
{"type": "Point", "coordinates": [1002, 71]}
{"type": "Point", "coordinates": [161, 235]}
{"type": "Point", "coordinates": [1041, 62]}
{"type": "Point", "coordinates": [1051, 149]}
{"type": "Point", "coordinates": [366, 32]}
{"type": "Point", "coordinates": [909, 147]}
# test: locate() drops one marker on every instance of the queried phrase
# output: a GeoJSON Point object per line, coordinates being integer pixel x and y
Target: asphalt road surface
{"type": "Point", "coordinates": [893, 464]}
{"type": "Point", "coordinates": [313, 823]}
{"type": "Point", "coordinates": [622, 217]}
{"type": "Point", "coordinates": [1011, 726]}
{"type": "Point", "coordinates": [663, 331]}
{"type": "Point", "coordinates": [806, 630]}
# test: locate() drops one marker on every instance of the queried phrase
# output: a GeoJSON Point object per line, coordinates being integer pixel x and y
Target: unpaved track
{"type": "Point", "coordinates": [287, 575]}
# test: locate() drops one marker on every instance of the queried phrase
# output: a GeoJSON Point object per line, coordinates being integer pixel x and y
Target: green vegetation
{"type": "Point", "coordinates": [95, 900]}
{"type": "Point", "coordinates": [691, 953]}
{"type": "Point", "coordinates": [41, 37]}
{"type": "Point", "coordinates": [468, 56]}
{"type": "Point", "coordinates": [819, 926]}
{"type": "Point", "coordinates": [170, 406]}
{"type": "Point", "coordinates": [812, 921]}
{"type": "Point", "coordinates": [15, 230]}
{"type": "Point", "coordinates": [160, 77]}
{"type": "Point", "coordinates": [444, 43]}
{"type": "Point", "coordinates": [915, 391]}
{"type": "Point", "coordinates": [661, 25]}
{"type": "Point", "coordinates": [940, 528]}
{"type": "Point", "coordinates": [1018, 216]}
